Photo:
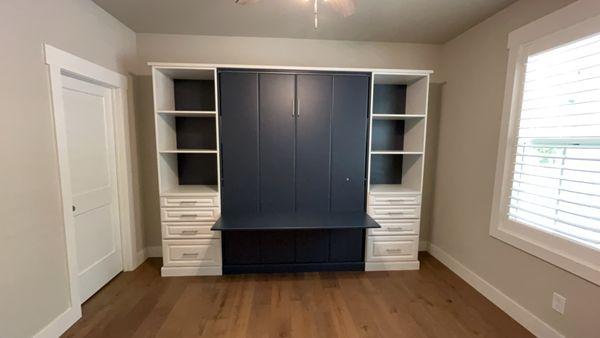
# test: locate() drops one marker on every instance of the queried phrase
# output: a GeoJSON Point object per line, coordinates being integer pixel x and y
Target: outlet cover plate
{"type": "Point", "coordinates": [558, 303]}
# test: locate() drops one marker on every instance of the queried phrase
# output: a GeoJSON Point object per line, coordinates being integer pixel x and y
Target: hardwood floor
{"type": "Point", "coordinates": [431, 302]}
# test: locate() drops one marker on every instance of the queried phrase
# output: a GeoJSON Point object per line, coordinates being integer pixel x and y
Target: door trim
{"type": "Point", "coordinates": [62, 63]}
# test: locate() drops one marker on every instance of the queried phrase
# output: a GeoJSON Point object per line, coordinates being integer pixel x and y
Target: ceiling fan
{"type": "Point", "coordinates": [344, 7]}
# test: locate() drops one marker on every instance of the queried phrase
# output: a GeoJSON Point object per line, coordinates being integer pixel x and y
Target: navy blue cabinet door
{"type": "Point", "coordinates": [239, 141]}
{"type": "Point", "coordinates": [349, 142]}
{"type": "Point", "coordinates": [313, 138]}
{"type": "Point", "coordinates": [277, 124]}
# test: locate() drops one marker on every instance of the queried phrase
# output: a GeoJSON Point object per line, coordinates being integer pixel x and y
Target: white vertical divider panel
{"type": "Point", "coordinates": [395, 245]}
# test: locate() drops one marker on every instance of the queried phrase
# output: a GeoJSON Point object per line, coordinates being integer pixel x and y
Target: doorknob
{"type": "Point", "coordinates": [347, 179]}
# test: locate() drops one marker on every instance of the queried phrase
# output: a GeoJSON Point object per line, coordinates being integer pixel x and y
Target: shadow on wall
{"type": "Point", "coordinates": [146, 143]}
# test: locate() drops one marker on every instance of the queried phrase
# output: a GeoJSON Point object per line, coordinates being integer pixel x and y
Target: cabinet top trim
{"type": "Point", "coordinates": [423, 72]}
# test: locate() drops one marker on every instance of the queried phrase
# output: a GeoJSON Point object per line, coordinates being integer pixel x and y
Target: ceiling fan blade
{"type": "Point", "coordinates": [344, 7]}
{"type": "Point", "coordinates": [243, 2]}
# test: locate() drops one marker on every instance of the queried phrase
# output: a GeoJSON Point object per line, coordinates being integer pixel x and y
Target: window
{"type": "Point", "coordinates": [547, 189]}
{"type": "Point", "coordinates": [556, 177]}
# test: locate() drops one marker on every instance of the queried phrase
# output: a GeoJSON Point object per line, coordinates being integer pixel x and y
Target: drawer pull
{"type": "Point", "coordinates": [396, 212]}
{"type": "Point", "coordinates": [394, 250]}
{"type": "Point", "coordinates": [189, 255]}
{"type": "Point", "coordinates": [188, 215]}
{"type": "Point", "coordinates": [189, 232]}
{"type": "Point", "coordinates": [395, 228]}
{"type": "Point", "coordinates": [187, 202]}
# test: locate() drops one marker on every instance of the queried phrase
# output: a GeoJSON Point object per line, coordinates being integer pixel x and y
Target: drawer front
{"type": "Point", "coordinates": [189, 230]}
{"type": "Point", "coordinates": [394, 212]}
{"type": "Point", "coordinates": [189, 215]}
{"type": "Point", "coordinates": [199, 252]}
{"type": "Point", "coordinates": [394, 227]}
{"type": "Point", "coordinates": [189, 202]}
{"type": "Point", "coordinates": [394, 199]}
{"type": "Point", "coordinates": [392, 249]}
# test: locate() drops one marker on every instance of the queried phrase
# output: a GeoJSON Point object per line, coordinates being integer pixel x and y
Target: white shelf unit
{"type": "Point", "coordinates": [396, 161]}
{"type": "Point", "coordinates": [187, 143]}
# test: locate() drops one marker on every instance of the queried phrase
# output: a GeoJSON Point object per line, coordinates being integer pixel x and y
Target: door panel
{"type": "Point", "coordinates": [93, 178]}
{"type": "Point", "coordinates": [313, 132]}
{"type": "Point", "coordinates": [239, 137]}
{"type": "Point", "coordinates": [277, 94]}
{"type": "Point", "coordinates": [349, 142]}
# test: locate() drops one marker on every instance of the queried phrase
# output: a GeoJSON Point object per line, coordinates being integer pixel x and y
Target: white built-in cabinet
{"type": "Point", "coordinates": [396, 162]}
{"type": "Point", "coordinates": [187, 142]}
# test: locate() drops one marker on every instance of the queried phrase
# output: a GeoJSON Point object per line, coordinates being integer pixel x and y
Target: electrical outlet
{"type": "Point", "coordinates": [558, 303]}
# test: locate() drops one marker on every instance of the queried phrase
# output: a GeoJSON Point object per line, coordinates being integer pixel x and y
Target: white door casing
{"type": "Point", "coordinates": [93, 176]}
{"type": "Point", "coordinates": [61, 63]}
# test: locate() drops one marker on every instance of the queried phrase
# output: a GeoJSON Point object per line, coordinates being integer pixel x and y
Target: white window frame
{"type": "Point", "coordinates": [570, 23]}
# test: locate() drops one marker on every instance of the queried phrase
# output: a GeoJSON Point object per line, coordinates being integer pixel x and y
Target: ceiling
{"type": "Point", "coordinates": [422, 21]}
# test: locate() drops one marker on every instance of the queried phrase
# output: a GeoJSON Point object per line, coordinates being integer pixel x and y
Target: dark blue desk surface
{"type": "Point", "coordinates": [294, 221]}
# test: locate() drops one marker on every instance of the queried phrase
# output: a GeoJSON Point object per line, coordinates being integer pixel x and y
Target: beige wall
{"type": "Point", "coordinates": [268, 51]}
{"type": "Point", "coordinates": [286, 52]}
{"type": "Point", "coordinates": [474, 68]}
{"type": "Point", "coordinates": [33, 282]}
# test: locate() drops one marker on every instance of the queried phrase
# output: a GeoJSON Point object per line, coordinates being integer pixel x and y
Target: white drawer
{"type": "Point", "coordinates": [392, 248]}
{"type": "Point", "coordinates": [392, 227]}
{"type": "Point", "coordinates": [189, 214]}
{"type": "Point", "coordinates": [199, 252]}
{"type": "Point", "coordinates": [189, 202]}
{"type": "Point", "coordinates": [395, 212]}
{"type": "Point", "coordinates": [403, 199]}
{"type": "Point", "coordinates": [183, 230]}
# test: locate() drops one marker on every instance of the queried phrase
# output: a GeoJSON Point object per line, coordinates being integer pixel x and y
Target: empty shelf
{"type": "Point", "coordinates": [192, 190]}
{"type": "Point", "coordinates": [383, 189]}
{"type": "Point", "coordinates": [397, 116]}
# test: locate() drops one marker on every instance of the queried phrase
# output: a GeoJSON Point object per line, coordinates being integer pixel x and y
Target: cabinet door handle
{"type": "Point", "coordinates": [293, 107]}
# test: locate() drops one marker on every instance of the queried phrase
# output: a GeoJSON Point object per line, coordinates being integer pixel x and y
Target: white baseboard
{"type": "Point", "coordinates": [523, 316]}
{"type": "Point", "coordinates": [154, 251]}
{"type": "Point", "coordinates": [175, 271]}
{"type": "Point", "coordinates": [140, 258]}
{"type": "Point", "coordinates": [423, 246]}
{"type": "Point", "coordinates": [392, 266]}
{"type": "Point", "coordinates": [60, 324]}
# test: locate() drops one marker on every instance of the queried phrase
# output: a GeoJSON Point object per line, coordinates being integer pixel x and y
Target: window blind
{"type": "Point", "coordinates": [556, 177]}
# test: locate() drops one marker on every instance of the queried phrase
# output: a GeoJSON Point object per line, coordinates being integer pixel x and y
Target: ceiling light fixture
{"type": "Point", "coordinates": [344, 7]}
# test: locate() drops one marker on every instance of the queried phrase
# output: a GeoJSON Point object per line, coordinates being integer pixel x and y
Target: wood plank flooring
{"type": "Point", "coordinates": [431, 302]}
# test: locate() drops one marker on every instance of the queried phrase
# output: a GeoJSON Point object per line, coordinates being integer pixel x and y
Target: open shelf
{"type": "Point", "coordinates": [184, 90]}
{"type": "Point", "coordinates": [397, 116]}
{"type": "Point", "coordinates": [187, 113]}
{"type": "Point", "coordinates": [192, 190]}
{"type": "Point", "coordinates": [398, 94]}
{"type": "Point", "coordinates": [398, 136]}
{"type": "Point", "coordinates": [402, 171]}
{"type": "Point", "coordinates": [383, 189]}
{"type": "Point", "coordinates": [189, 151]}
{"type": "Point", "coordinates": [186, 133]}
{"type": "Point", "coordinates": [180, 170]}
{"type": "Point", "coordinates": [395, 152]}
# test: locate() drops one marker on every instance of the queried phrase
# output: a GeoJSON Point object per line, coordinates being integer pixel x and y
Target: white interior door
{"type": "Point", "coordinates": [92, 170]}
